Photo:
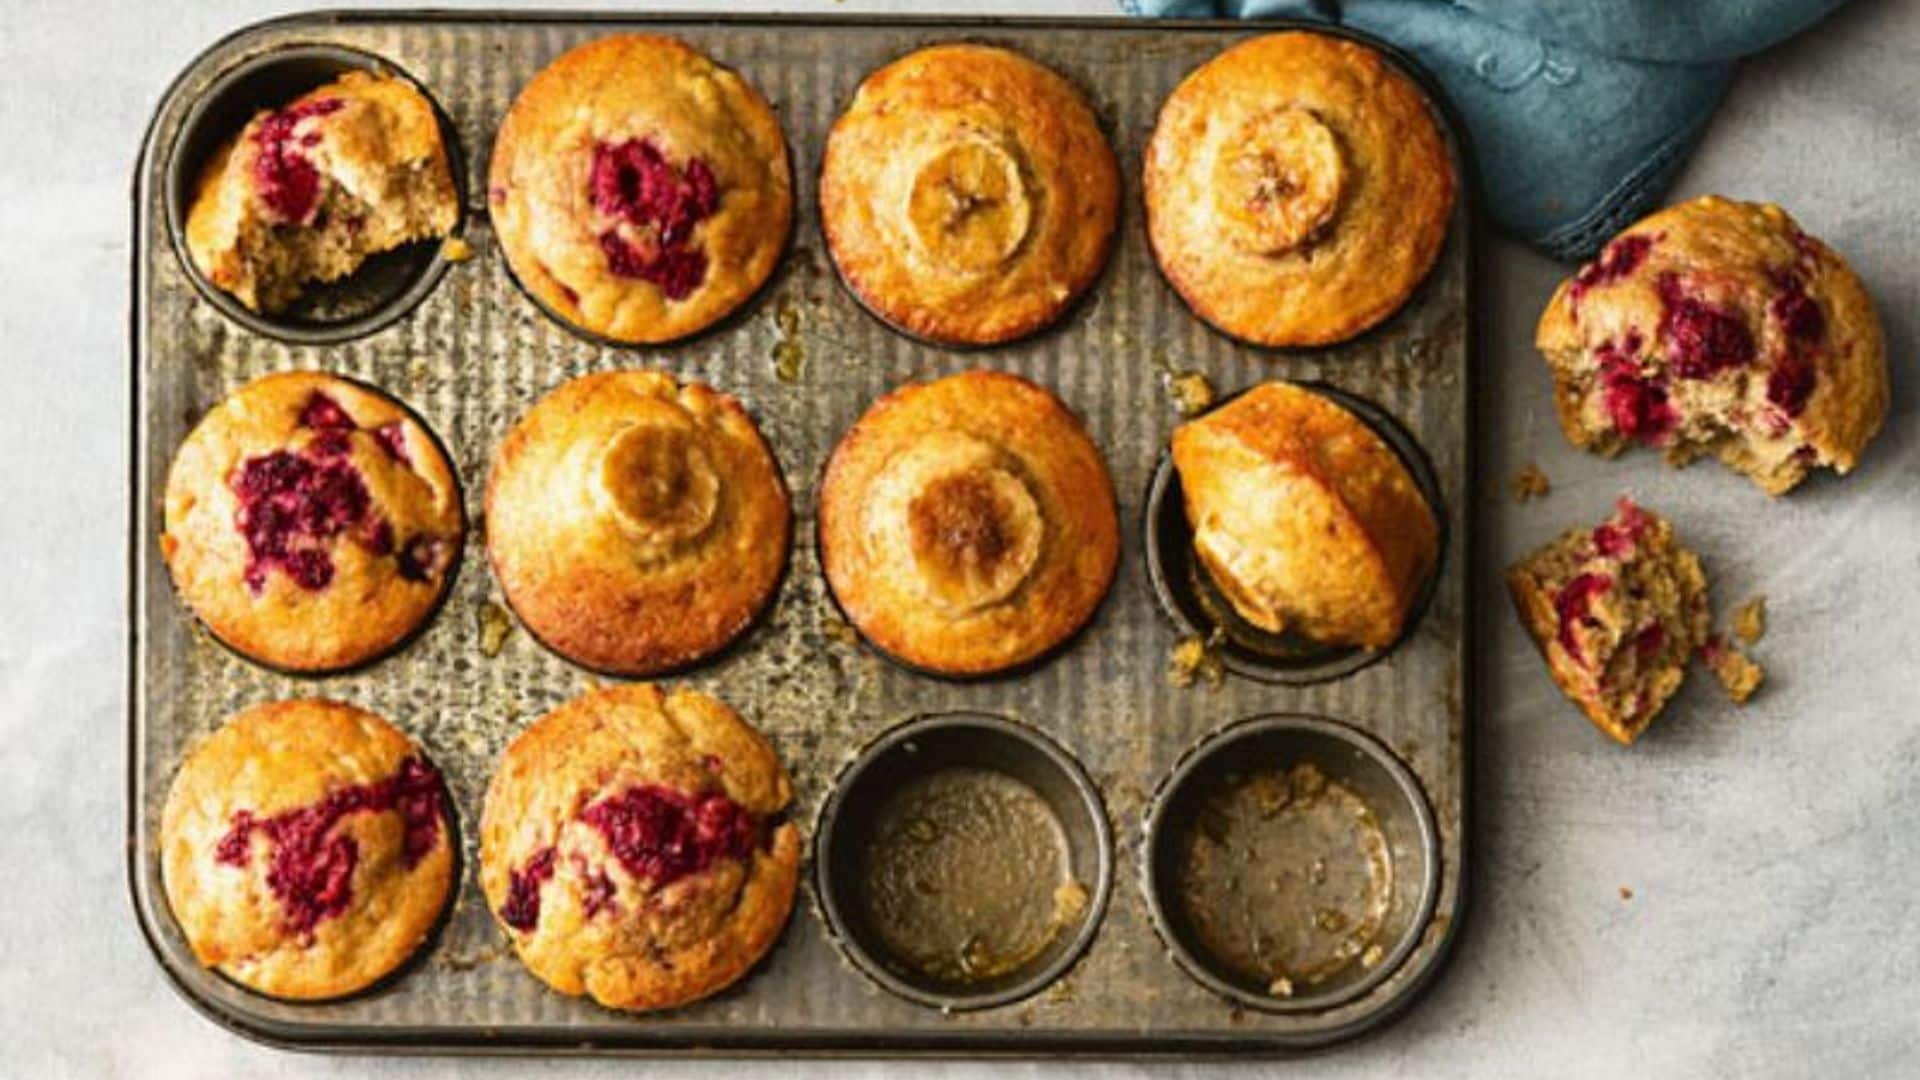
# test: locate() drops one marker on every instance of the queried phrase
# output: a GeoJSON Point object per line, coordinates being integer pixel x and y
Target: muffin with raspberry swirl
{"type": "Point", "coordinates": [1719, 328]}
{"type": "Point", "coordinates": [305, 849]}
{"type": "Point", "coordinates": [312, 523]}
{"type": "Point", "coordinates": [633, 847]}
{"type": "Point", "coordinates": [639, 189]}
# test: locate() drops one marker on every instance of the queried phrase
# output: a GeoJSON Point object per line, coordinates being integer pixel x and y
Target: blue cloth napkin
{"type": "Point", "coordinates": [1580, 111]}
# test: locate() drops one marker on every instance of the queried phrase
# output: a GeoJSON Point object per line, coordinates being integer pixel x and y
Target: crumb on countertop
{"type": "Point", "coordinates": [1739, 676]}
{"type": "Point", "coordinates": [1626, 892]}
{"type": "Point", "coordinates": [1530, 483]}
{"type": "Point", "coordinates": [1750, 619]}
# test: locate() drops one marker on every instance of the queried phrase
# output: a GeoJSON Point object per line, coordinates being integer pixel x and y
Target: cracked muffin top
{"type": "Point", "coordinates": [968, 195]}
{"type": "Point", "coordinates": [967, 525]}
{"type": "Point", "coordinates": [639, 189]}
{"type": "Point", "coordinates": [1297, 189]}
{"type": "Point", "coordinates": [633, 847]}
{"type": "Point", "coordinates": [305, 849]}
{"type": "Point", "coordinates": [312, 523]}
{"type": "Point", "coordinates": [635, 523]}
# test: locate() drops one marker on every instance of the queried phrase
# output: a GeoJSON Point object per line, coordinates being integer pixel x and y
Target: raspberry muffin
{"type": "Point", "coordinates": [967, 525]}
{"type": "Point", "coordinates": [305, 849]}
{"type": "Point", "coordinates": [634, 847]}
{"type": "Point", "coordinates": [639, 189]}
{"type": "Point", "coordinates": [305, 193]}
{"type": "Point", "coordinates": [636, 524]}
{"type": "Point", "coordinates": [1617, 611]}
{"type": "Point", "coordinates": [967, 194]}
{"type": "Point", "coordinates": [1297, 189]}
{"type": "Point", "coordinates": [1719, 327]}
{"type": "Point", "coordinates": [312, 523]}
{"type": "Point", "coordinates": [1304, 518]}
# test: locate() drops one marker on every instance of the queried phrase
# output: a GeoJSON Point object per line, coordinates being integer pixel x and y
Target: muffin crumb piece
{"type": "Point", "coordinates": [495, 625]}
{"type": "Point", "coordinates": [1530, 483]}
{"type": "Point", "coordinates": [1739, 675]}
{"type": "Point", "coordinates": [1281, 987]}
{"type": "Point", "coordinates": [1626, 893]}
{"type": "Point", "coordinates": [1750, 619]}
{"type": "Point", "coordinates": [455, 249]}
{"type": "Point", "coordinates": [1193, 659]}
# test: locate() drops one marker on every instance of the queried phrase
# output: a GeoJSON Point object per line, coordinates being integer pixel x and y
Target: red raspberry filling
{"type": "Point", "coordinates": [1701, 340]}
{"type": "Point", "coordinates": [1617, 538]}
{"type": "Point", "coordinates": [282, 176]}
{"type": "Point", "coordinates": [522, 907]}
{"type": "Point", "coordinates": [310, 866]}
{"type": "Point", "coordinates": [1572, 604]}
{"type": "Point", "coordinates": [633, 183]}
{"type": "Point", "coordinates": [663, 835]}
{"type": "Point", "coordinates": [1790, 383]}
{"type": "Point", "coordinates": [1618, 259]}
{"type": "Point", "coordinates": [1636, 404]}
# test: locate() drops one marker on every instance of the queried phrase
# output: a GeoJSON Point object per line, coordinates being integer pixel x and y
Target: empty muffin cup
{"type": "Point", "coordinates": [1196, 604]}
{"type": "Point", "coordinates": [1291, 863]}
{"type": "Point", "coordinates": [387, 285]}
{"type": "Point", "coordinates": [963, 861]}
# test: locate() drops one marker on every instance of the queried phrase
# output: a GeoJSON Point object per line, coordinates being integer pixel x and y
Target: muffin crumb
{"type": "Point", "coordinates": [455, 249]}
{"type": "Point", "coordinates": [1750, 619]}
{"type": "Point", "coordinates": [1530, 483]}
{"type": "Point", "coordinates": [1192, 660]}
{"type": "Point", "coordinates": [1738, 675]}
{"type": "Point", "coordinates": [495, 624]}
{"type": "Point", "coordinates": [1626, 893]}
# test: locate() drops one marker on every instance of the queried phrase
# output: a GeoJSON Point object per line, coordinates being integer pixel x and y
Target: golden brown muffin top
{"type": "Point", "coordinates": [311, 522]}
{"type": "Point", "coordinates": [631, 847]}
{"type": "Point", "coordinates": [967, 525]}
{"type": "Point", "coordinates": [305, 850]}
{"type": "Point", "coordinates": [1297, 189]}
{"type": "Point", "coordinates": [967, 194]}
{"type": "Point", "coordinates": [636, 524]}
{"type": "Point", "coordinates": [639, 189]}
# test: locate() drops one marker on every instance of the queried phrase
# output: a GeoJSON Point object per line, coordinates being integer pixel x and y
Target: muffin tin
{"type": "Point", "coordinates": [1115, 755]}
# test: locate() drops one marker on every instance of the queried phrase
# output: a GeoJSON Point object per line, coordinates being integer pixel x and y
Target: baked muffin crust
{"type": "Point", "coordinates": [639, 189]}
{"type": "Point", "coordinates": [1719, 327]}
{"type": "Point", "coordinates": [305, 849]}
{"type": "Point", "coordinates": [967, 525]}
{"type": "Point", "coordinates": [311, 522]}
{"type": "Point", "coordinates": [967, 194]}
{"type": "Point", "coordinates": [306, 192]}
{"type": "Point", "coordinates": [631, 847]}
{"type": "Point", "coordinates": [636, 525]}
{"type": "Point", "coordinates": [1304, 517]}
{"type": "Point", "coordinates": [1297, 189]}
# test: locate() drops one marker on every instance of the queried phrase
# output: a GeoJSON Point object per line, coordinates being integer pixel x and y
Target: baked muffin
{"type": "Point", "coordinates": [1304, 518]}
{"type": "Point", "coordinates": [305, 193]}
{"type": "Point", "coordinates": [1617, 612]}
{"type": "Point", "coordinates": [312, 523]}
{"type": "Point", "coordinates": [305, 849]}
{"type": "Point", "coordinates": [1718, 327]}
{"type": "Point", "coordinates": [1297, 189]}
{"type": "Point", "coordinates": [967, 525]}
{"type": "Point", "coordinates": [637, 525]}
{"type": "Point", "coordinates": [634, 848]}
{"type": "Point", "coordinates": [639, 189]}
{"type": "Point", "coordinates": [967, 194]}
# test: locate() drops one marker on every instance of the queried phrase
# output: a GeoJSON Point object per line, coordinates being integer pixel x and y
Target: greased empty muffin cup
{"type": "Point", "coordinates": [1196, 604]}
{"type": "Point", "coordinates": [963, 861]}
{"type": "Point", "coordinates": [1329, 828]}
{"type": "Point", "coordinates": [387, 285]}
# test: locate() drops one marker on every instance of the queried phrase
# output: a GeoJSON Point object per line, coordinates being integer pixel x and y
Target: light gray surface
{"type": "Point", "coordinates": [1774, 853]}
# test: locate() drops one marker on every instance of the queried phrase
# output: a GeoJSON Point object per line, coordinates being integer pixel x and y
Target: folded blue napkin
{"type": "Point", "coordinates": [1580, 111]}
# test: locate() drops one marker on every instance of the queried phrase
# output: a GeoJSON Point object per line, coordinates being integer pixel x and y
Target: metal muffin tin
{"type": "Point", "coordinates": [474, 352]}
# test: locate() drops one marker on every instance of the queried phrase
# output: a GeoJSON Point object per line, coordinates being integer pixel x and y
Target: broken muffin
{"type": "Point", "coordinates": [307, 192]}
{"type": "Point", "coordinates": [1617, 611]}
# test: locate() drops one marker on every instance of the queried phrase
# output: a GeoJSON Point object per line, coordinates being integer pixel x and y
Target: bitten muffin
{"type": "Point", "coordinates": [305, 849]}
{"type": "Point", "coordinates": [633, 847]}
{"type": "Point", "coordinates": [1617, 611]}
{"type": "Point", "coordinates": [1306, 520]}
{"type": "Point", "coordinates": [307, 192]}
{"type": "Point", "coordinates": [312, 523]}
{"type": "Point", "coordinates": [1719, 327]}
{"type": "Point", "coordinates": [637, 525]}
{"type": "Point", "coordinates": [639, 189]}
{"type": "Point", "coordinates": [967, 194]}
{"type": "Point", "coordinates": [1297, 189]}
{"type": "Point", "coordinates": [967, 525]}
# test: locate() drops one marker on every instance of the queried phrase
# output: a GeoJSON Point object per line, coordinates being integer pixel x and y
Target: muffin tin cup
{"type": "Point", "coordinates": [1188, 596]}
{"type": "Point", "coordinates": [1346, 757]}
{"type": "Point", "coordinates": [972, 748]}
{"type": "Point", "coordinates": [388, 285]}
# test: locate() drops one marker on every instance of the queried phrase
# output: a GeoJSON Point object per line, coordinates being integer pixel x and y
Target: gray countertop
{"type": "Point", "coordinates": [1772, 853]}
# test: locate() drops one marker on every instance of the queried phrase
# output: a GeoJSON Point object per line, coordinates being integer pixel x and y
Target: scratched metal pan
{"type": "Point", "coordinates": [469, 351]}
